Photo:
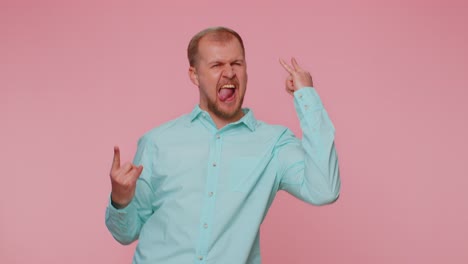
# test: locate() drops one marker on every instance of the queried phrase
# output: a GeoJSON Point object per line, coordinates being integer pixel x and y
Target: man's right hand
{"type": "Point", "coordinates": [123, 181]}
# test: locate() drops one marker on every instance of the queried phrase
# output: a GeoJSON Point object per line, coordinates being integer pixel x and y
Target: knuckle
{"type": "Point", "coordinates": [113, 174]}
{"type": "Point", "coordinates": [127, 185]}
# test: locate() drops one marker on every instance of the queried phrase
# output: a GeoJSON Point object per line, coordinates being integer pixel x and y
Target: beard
{"type": "Point", "coordinates": [215, 109]}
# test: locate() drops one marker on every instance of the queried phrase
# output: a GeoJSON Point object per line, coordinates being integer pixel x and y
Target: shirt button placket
{"type": "Point", "coordinates": [207, 217]}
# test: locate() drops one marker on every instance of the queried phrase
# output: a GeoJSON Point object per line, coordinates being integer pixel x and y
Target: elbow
{"type": "Point", "coordinates": [124, 240]}
{"type": "Point", "coordinates": [327, 198]}
{"type": "Point", "coordinates": [121, 234]}
{"type": "Point", "coordinates": [329, 193]}
{"type": "Point", "coordinates": [124, 237]}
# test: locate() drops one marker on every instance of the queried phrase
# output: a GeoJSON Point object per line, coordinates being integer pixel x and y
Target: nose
{"type": "Point", "coordinates": [229, 72]}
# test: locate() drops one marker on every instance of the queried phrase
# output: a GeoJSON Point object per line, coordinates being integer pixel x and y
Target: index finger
{"type": "Point", "coordinates": [286, 66]}
{"type": "Point", "coordinates": [116, 161]}
{"type": "Point", "coordinates": [294, 64]}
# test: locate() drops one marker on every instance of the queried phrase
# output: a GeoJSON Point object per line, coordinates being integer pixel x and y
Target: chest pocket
{"type": "Point", "coordinates": [245, 173]}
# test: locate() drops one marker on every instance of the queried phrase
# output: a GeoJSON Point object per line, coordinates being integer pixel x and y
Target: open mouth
{"type": "Point", "coordinates": [227, 92]}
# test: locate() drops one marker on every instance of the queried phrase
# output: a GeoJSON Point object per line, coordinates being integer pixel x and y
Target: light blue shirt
{"type": "Point", "coordinates": [204, 192]}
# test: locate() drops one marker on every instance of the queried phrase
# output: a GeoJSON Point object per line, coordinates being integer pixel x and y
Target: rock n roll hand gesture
{"type": "Point", "coordinates": [123, 180]}
{"type": "Point", "coordinates": [298, 78]}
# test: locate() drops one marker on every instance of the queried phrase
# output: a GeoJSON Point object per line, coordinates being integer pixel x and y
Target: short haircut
{"type": "Point", "coordinates": [219, 34]}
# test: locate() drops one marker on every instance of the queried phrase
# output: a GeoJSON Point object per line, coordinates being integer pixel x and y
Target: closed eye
{"type": "Point", "coordinates": [237, 63]}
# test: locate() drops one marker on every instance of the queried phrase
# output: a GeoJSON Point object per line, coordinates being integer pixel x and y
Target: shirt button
{"type": "Point", "coordinates": [300, 95]}
{"type": "Point", "coordinates": [205, 225]}
{"type": "Point", "coordinates": [218, 136]}
{"type": "Point", "coordinates": [306, 107]}
{"type": "Point", "coordinates": [200, 257]}
{"type": "Point", "coordinates": [210, 194]}
{"type": "Point", "coordinates": [214, 164]}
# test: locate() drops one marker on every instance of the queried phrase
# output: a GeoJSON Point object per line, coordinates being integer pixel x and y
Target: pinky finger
{"type": "Point", "coordinates": [136, 171]}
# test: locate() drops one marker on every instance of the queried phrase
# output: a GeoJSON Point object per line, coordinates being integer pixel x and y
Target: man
{"type": "Point", "coordinates": [201, 185]}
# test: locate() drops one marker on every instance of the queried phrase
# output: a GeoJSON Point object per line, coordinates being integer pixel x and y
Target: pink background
{"type": "Point", "coordinates": [78, 77]}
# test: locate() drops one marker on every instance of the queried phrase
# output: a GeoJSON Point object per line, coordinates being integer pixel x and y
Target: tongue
{"type": "Point", "coordinates": [225, 93]}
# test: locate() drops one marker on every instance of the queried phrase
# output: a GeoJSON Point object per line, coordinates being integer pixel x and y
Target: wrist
{"type": "Point", "coordinates": [118, 204]}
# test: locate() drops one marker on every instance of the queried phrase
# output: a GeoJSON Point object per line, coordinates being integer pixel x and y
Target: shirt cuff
{"type": "Point", "coordinates": [306, 102]}
{"type": "Point", "coordinates": [119, 216]}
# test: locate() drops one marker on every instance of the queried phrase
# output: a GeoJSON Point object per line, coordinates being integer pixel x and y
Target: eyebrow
{"type": "Point", "coordinates": [239, 60]}
{"type": "Point", "coordinates": [221, 62]}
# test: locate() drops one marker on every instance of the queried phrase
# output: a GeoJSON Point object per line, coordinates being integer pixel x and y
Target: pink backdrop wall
{"type": "Point", "coordinates": [78, 77]}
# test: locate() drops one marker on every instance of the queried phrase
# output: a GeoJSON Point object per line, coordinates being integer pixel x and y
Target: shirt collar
{"type": "Point", "coordinates": [248, 119]}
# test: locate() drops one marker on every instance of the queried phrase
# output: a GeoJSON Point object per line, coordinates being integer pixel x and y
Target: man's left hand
{"type": "Point", "coordinates": [298, 78]}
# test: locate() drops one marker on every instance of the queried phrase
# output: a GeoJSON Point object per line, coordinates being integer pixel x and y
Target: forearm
{"type": "Point", "coordinates": [321, 172]}
{"type": "Point", "coordinates": [124, 224]}
{"type": "Point", "coordinates": [315, 178]}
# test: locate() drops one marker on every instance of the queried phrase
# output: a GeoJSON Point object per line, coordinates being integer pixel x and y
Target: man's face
{"type": "Point", "coordinates": [221, 76]}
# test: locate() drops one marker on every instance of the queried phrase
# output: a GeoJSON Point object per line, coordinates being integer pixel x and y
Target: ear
{"type": "Point", "coordinates": [193, 75]}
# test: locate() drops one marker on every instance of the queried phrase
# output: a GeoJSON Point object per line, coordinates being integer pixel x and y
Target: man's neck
{"type": "Point", "coordinates": [222, 122]}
